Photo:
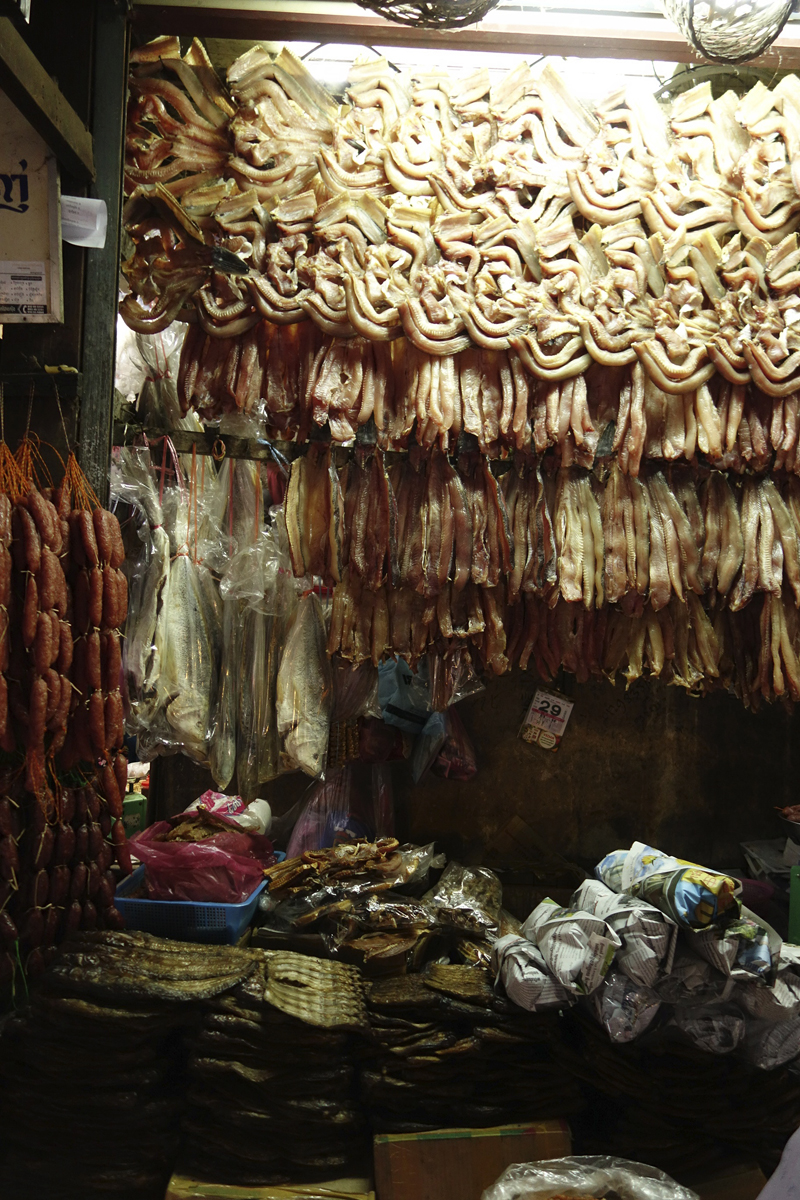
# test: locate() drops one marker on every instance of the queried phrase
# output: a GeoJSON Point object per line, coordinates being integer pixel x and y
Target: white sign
{"type": "Point", "coordinates": [546, 719]}
{"type": "Point", "coordinates": [84, 221]}
{"type": "Point", "coordinates": [30, 225]}
{"type": "Point", "coordinates": [23, 288]}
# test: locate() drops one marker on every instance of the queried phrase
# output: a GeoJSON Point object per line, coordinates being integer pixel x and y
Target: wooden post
{"type": "Point", "coordinates": [110, 73]}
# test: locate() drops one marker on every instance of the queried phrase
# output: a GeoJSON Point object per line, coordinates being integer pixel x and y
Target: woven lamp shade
{"type": "Point", "coordinates": [730, 31]}
{"type": "Point", "coordinates": [431, 14]}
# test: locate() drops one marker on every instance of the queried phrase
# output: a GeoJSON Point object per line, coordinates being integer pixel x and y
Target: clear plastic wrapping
{"type": "Point", "coordinates": [624, 1008]}
{"type": "Point", "coordinates": [304, 689]}
{"type": "Point", "coordinates": [715, 1028]}
{"type": "Point", "coordinates": [586, 1178]}
{"type": "Point", "coordinates": [467, 899]}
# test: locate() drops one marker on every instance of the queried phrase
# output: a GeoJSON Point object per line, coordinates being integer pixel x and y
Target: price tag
{"type": "Point", "coordinates": [546, 720]}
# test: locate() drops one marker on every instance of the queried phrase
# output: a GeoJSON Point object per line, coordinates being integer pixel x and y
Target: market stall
{"type": "Point", "coordinates": [445, 604]}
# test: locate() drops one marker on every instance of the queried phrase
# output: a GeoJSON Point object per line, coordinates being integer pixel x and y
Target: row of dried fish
{"type": "Point", "coordinates": [457, 212]}
{"type": "Point", "coordinates": [392, 541]}
{"type": "Point", "coordinates": [301, 380]}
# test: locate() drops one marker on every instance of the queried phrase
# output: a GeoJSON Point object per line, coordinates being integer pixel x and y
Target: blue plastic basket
{"type": "Point", "coordinates": [185, 920]}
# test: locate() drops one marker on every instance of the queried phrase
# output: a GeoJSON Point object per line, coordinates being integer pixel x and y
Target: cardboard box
{"type": "Point", "coordinates": [458, 1164]}
{"type": "Point", "coordinates": [134, 814]}
{"type": "Point", "coordinates": [742, 1181]}
{"type": "Point", "coordinates": [185, 1187]}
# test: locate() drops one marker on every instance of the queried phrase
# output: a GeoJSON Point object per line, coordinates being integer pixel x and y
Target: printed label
{"type": "Point", "coordinates": [23, 288]}
{"type": "Point", "coordinates": [546, 719]}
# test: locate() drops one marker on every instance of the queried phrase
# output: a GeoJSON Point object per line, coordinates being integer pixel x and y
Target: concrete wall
{"type": "Point", "coordinates": [693, 776]}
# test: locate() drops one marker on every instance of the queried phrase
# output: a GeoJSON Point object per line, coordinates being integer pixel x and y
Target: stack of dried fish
{"type": "Point", "coordinates": [272, 1081]}
{"type": "Point", "coordinates": [448, 1051]}
{"type": "Point", "coordinates": [670, 1104]}
{"type": "Point", "coordinates": [94, 1057]}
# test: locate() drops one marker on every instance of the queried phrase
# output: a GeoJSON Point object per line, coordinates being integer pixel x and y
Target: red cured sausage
{"type": "Point", "coordinates": [9, 858]}
{"type": "Point", "coordinates": [113, 918]}
{"type": "Point", "coordinates": [64, 850]}
{"type": "Point", "coordinates": [52, 920]}
{"type": "Point", "coordinates": [121, 773]}
{"type": "Point", "coordinates": [31, 930]}
{"type": "Point", "coordinates": [105, 891]}
{"type": "Point", "coordinates": [93, 805]}
{"type": "Point", "coordinates": [112, 660]}
{"type": "Point", "coordinates": [96, 597]}
{"type": "Point", "coordinates": [95, 841]}
{"type": "Point", "coordinates": [74, 917]}
{"type": "Point", "coordinates": [43, 643]}
{"type": "Point", "coordinates": [65, 648]}
{"type": "Point", "coordinates": [5, 576]}
{"type": "Point", "coordinates": [114, 720]}
{"type": "Point", "coordinates": [5, 520]}
{"type": "Point", "coordinates": [95, 878]}
{"type": "Point", "coordinates": [42, 847]}
{"type": "Point", "coordinates": [76, 550]}
{"type": "Point", "coordinates": [26, 546]}
{"type": "Point", "coordinates": [108, 783]}
{"type": "Point", "coordinates": [67, 806]}
{"type": "Point", "coordinates": [8, 930]}
{"type": "Point", "coordinates": [106, 856]}
{"type": "Point", "coordinates": [89, 917]}
{"type": "Point", "coordinates": [60, 878]}
{"type": "Point", "coordinates": [122, 599]}
{"type": "Point", "coordinates": [86, 528]}
{"type": "Point", "coordinates": [9, 817]}
{"type": "Point", "coordinates": [30, 611]}
{"type": "Point", "coordinates": [102, 534]}
{"type": "Point", "coordinates": [120, 843]}
{"type": "Point", "coordinates": [80, 878]}
{"type": "Point", "coordinates": [47, 579]}
{"type": "Point", "coordinates": [37, 714]}
{"type": "Point", "coordinates": [45, 518]}
{"type": "Point", "coordinates": [81, 845]}
{"type": "Point", "coordinates": [94, 674]}
{"type": "Point", "coordinates": [97, 725]}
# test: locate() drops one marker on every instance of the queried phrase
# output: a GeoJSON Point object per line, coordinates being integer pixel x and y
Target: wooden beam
{"type": "Point", "coordinates": [109, 92]}
{"type": "Point", "coordinates": [39, 99]}
{"type": "Point", "coordinates": [641, 38]}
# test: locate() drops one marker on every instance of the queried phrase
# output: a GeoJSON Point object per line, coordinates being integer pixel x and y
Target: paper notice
{"type": "Point", "coordinates": [23, 288]}
{"type": "Point", "coordinates": [546, 720]}
{"type": "Point", "coordinates": [84, 221]}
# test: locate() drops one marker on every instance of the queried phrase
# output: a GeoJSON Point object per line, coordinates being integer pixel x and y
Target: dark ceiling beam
{"type": "Point", "coordinates": [644, 39]}
{"type": "Point", "coordinates": [39, 99]}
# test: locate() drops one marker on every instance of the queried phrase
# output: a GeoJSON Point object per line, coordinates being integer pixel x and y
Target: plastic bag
{"type": "Point", "coordinates": [158, 403]}
{"type": "Point", "coordinates": [344, 807]}
{"type": "Point", "coordinates": [355, 690]}
{"type": "Point", "coordinates": [304, 690]}
{"type": "Point", "coordinates": [456, 757]}
{"type": "Point", "coordinates": [190, 660]}
{"type": "Point", "coordinates": [451, 677]}
{"type": "Point", "coordinates": [467, 899]}
{"type": "Point", "coordinates": [427, 746]}
{"type": "Point", "coordinates": [585, 1178]}
{"type": "Point", "coordinates": [577, 947]}
{"type": "Point", "coordinates": [625, 1009]}
{"type": "Point", "coordinates": [781, 1002]}
{"type": "Point", "coordinates": [378, 742]}
{"type": "Point", "coordinates": [226, 867]}
{"type": "Point", "coordinates": [691, 895]}
{"type": "Point", "coordinates": [769, 1044]}
{"type": "Point", "coordinates": [222, 731]}
{"type": "Point", "coordinates": [521, 969]}
{"type": "Point", "coordinates": [404, 695]}
{"type": "Point", "coordinates": [716, 1028]}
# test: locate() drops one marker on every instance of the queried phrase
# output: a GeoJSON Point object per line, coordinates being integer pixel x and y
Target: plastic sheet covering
{"type": "Point", "coordinates": [222, 732]}
{"type": "Point", "coordinates": [355, 690]}
{"type": "Point", "coordinates": [521, 969]}
{"type": "Point", "coordinates": [585, 1178]}
{"type": "Point", "coordinates": [352, 803]}
{"type": "Point", "coordinates": [577, 947]}
{"type": "Point", "coordinates": [718, 1029]}
{"type": "Point", "coordinates": [305, 690]}
{"type": "Point", "coordinates": [133, 482]}
{"type": "Point", "coordinates": [260, 596]}
{"type": "Point", "coordinates": [625, 1009]}
{"type": "Point", "coordinates": [467, 899]}
{"type": "Point", "coordinates": [456, 758]}
{"type": "Point", "coordinates": [770, 1044]}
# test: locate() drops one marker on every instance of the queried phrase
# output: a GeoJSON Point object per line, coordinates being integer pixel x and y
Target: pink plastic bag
{"type": "Point", "coordinates": [456, 759]}
{"type": "Point", "coordinates": [352, 804]}
{"type": "Point", "coordinates": [224, 869]}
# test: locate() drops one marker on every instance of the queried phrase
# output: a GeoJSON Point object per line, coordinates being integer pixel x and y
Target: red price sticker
{"type": "Point", "coordinates": [546, 720]}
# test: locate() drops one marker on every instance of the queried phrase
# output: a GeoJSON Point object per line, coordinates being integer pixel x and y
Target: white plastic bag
{"type": "Point", "coordinates": [586, 1177]}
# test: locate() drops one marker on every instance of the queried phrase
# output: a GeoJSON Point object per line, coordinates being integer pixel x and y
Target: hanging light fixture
{"type": "Point", "coordinates": [730, 31]}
